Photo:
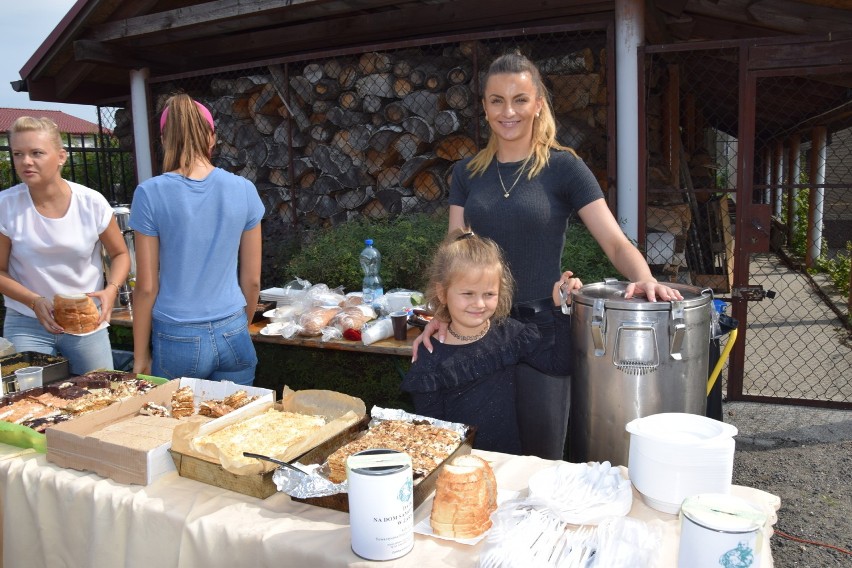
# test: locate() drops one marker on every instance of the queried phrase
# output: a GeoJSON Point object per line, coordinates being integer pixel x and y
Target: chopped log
{"type": "Point", "coordinates": [379, 160]}
{"type": "Point", "coordinates": [357, 137]}
{"type": "Point", "coordinates": [249, 83]}
{"type": "Point", "coordinates": [226, 128]}
{"type": "Point", "coordinates": [230, 106]}
{"type": "Point", "coordinates": [295, 111]}
{"type": "Point", "coordinates": [307, 180]}
{"type": "Point", "coordinates": [253, 155]}
{"type": "Point", "coordinates": [388, 177]}
{"type": "Point", "coordinates": [348, 75]}
{"type": "Point", "coordinates": [306, 201]}
{"type": "Point", "coordinates": [455, 147]}
{"type": "Point", "coordinates": [374, 62]}
{"type": "Point", "coordinates": [277, 156]}
{"type": "Point", "coordinates": [574, 91]}
{"type": "Point", "coordinates": [447, 122]}
{"type": "Point", "coordinates": [340, 140]}
{"type": "Point", "coordinates": [344, 119]}
{"type": "Point", "coordinates": [322, 107]}
{"type": "Point", "coordinates": [408, 145]}
{"type": "Point", "coordinates": [460, 74]}
{"type": "Point", "coordinates": [287, 213]}
{"type": "Point", "coordinates": [395, 112]}
{"type": "Point", "coordinates": [326, 184]}
{"type": "Point", "coordinates": [429, 185]}
{"type": "Point", "coordinates": [402, 86]}
{"type": "Point", "coordinates": [246, 135]}
{"type": "Point", "coordinates": [349, 100]}
{"type": "Point", "coordinates": [582, 61]}
{"type": "Point", "coordinates": [414, 166]}
{"type": "Point", "coordinates": [303, 88]}
{"type": "Point", "coordinates": [219, 87]}
{"type": "Point", "coordinates": [278, 176]}
{"type": "Point", "coordinates": [252, 172]}
{"type": "Point", "coordinates": [459, 97]}
{"type": "Point", "coordinates": [378, 84]}
{"type": "Point", "coordinates": [327, 89]}
{"type": "Point", "coordinates": [313, 72]}
{"type": "Point", "coordinates": [383, 138]}
{"type": "Point", "coordinates": [332, 68]}
{"type": "Point", "coordinates": [424, 104]}
{"type": "Point", "coordinates": [474, 50]}
{"type": "Point", "coordinates": [391, 200]}
{"type": "Point", "coordinates": [321, 132]}
{"type": "Point", "coordinates": [374, 210]}
{"type": "Point", "coordinates": [264, 100]}
{"type": "Point", "coordinates": [331, 160]}
{"type": "Point", "coordinates": [436, 78]}
{"type": "Point", "coordinates": [283, 132]}
{"type": "Point", "coordinates": [372, 103]}
{"type": "Point", "coordinates": [378, 120]}
{"type": "Point", "coordinates": [420, 128]}
{"type": "Point", "coordinates": [354, 198]}
{"type": "Point", "coordinates": [301, 168]}
{"type": "Point", "coordinates": [267, 124]}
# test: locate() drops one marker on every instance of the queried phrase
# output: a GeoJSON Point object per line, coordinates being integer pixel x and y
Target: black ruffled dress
{"type": "Point", "coordinates": [475, 383]}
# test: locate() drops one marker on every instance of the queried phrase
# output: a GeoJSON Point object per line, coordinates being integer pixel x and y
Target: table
{"type": "Point", "coordinates": [61, 517]}
{"type": "Point", "coordinates": [122, 317]}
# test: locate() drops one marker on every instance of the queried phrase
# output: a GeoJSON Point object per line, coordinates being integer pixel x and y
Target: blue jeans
{"type": "Point", "coordinates": [216, 350]}
{"type": "Point", "coordinates": [84, 353]}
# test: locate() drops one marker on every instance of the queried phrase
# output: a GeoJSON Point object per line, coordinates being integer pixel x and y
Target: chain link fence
{"type": "Point", "coordinates": [794, 209]}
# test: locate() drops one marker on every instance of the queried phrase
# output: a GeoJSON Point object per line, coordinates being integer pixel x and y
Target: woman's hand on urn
{"type": "Point", "coordinates": [653, 291]}
{"type": "Point", "coordinates": [564, 286]}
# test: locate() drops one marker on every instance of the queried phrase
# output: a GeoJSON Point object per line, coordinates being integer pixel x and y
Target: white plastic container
{"type": "Point", "coordinates": [381, 503]}
{"type": "Point", "coordinates": [720, 530]}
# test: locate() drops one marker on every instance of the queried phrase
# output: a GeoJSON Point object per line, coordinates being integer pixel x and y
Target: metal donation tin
{"type": "Point", "coordinates": [381, 503]}
{"type": "Point", "coordinates": [720, 530]}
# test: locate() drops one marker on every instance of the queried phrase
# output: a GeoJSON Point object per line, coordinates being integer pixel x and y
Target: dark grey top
{"type": "Point", "coordinates": [530, 224]}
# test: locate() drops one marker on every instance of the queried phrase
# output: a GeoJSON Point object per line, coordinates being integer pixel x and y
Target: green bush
{"type": "Point", "coordinates": [584, 257]}
{"type": "Point", "coordinates": [407, 245]}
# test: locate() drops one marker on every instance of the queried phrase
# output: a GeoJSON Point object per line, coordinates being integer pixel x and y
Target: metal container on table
{"type": "Point", "coordinates": [125, 289]}
{"type": "Point", "coordinates": [634, 358]}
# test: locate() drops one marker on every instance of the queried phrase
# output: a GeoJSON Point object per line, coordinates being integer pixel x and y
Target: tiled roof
{"type": "Point", "coordinates": [67, 123]}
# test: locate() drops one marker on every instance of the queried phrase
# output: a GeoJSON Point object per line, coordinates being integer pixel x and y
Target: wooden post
{"type": "Point", "coordinates": [794, 170]}
{"type": "Point", "coordinates": [671, 124]}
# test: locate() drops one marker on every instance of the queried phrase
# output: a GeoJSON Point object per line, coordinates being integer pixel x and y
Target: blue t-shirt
{"type": "Point", "coordinates": [199, 224]}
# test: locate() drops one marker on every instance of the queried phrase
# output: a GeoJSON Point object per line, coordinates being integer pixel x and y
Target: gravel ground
{"type": "Point", "coordinates": [804, 456]}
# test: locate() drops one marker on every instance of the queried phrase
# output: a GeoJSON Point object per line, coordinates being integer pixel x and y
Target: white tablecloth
{"type": "Point", "coordinates": [56, 517]}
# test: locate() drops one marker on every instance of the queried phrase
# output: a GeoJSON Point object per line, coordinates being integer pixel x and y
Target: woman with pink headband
{"type": "Point", "coordinates": [198, 255]}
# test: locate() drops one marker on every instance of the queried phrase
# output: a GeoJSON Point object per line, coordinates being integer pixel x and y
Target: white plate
{"type": "Point", "coordinates": [104, 325]}
{"type": "Point", "coordinates": [272, 329]}
{"type": "Point", "coordinates": [424, 527]}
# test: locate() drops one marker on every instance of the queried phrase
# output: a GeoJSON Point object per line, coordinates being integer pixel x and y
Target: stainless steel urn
{"type": "Point", "coordinates": [634, 358]}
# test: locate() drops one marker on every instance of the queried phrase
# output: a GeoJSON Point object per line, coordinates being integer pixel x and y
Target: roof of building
{"type": "Point", "coordinates": [66, 123]}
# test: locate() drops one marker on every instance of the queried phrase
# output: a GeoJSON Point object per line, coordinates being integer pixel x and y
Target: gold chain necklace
{"type": "Point", "coordinates": [506, 192]}
{"type": "Point", "coordinates": [479, 335]}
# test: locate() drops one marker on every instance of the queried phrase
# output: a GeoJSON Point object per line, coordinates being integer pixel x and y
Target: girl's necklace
{"type": "Point", "coordinates": [506, 192]}
{"type": "Point", "coordinates": [479, 335]}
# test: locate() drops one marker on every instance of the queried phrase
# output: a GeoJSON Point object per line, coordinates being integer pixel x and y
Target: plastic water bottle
{"type": "Point", "coordinates": [371, 262]}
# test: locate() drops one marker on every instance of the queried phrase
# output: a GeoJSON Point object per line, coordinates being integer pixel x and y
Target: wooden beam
{"type": "Point", "coordinates": [225, 16]}
{"type": "Point", "coordinates": [87, 51]}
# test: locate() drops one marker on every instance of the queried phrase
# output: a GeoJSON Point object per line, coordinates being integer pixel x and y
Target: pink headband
{"type": "Point", "coordinates": [204, 112]}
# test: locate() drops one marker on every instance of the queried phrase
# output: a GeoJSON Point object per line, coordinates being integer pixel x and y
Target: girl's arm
{"type": "Point", "coordinates": [144, 294]}
{"type": "Point", "coordinates": [250, 263]}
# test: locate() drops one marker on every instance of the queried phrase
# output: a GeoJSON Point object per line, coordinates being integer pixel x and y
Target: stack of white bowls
{"type": "Point", "coordinates": [676, 455]}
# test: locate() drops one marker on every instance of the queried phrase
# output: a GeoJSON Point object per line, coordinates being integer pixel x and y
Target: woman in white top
{"type": "Point", "coordinates": [51, 234]}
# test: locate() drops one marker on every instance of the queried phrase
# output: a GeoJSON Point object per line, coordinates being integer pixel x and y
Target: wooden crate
{"type": "Point", "coordinates": [260, 485]}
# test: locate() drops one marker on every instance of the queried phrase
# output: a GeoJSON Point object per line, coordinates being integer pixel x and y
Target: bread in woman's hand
{"type": "Point", "coordinates": [465, 497]}
{"type": "Point", "coordinates": [76, 313]}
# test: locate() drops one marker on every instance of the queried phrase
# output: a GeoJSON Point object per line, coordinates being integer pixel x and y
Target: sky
{"type": "Point", "coordinates": [26, 24]}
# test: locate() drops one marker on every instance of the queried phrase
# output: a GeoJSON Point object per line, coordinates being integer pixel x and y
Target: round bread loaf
{"type": "Point", "coordinates": [76, 313]}
{"type": "Point", "coordinates": [465, 497]}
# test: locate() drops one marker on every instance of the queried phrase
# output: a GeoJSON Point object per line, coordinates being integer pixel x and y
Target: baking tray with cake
{"type": "Point", "coordinates": [429, 442]}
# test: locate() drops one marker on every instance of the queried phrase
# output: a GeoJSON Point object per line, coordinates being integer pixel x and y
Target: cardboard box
{"type": "Point", "coordinates": [68, 444]}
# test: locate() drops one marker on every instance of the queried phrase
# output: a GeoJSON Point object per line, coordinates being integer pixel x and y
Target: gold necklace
{"type": "Point", "coordinates": [506, 192]}
{"type": "Point", "coordinates": [479, 335]}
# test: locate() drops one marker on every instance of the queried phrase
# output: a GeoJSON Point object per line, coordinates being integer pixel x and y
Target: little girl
{"type": "Point", "coordinates": [471, 377]}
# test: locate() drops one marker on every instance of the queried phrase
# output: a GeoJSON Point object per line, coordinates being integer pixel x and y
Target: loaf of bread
{"type": "Point", "coordinates": [76, 313]}
{"type": "Point", "coordinates": [465, 497]}
{"type": "Point", "coordinates": [314, 319]}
